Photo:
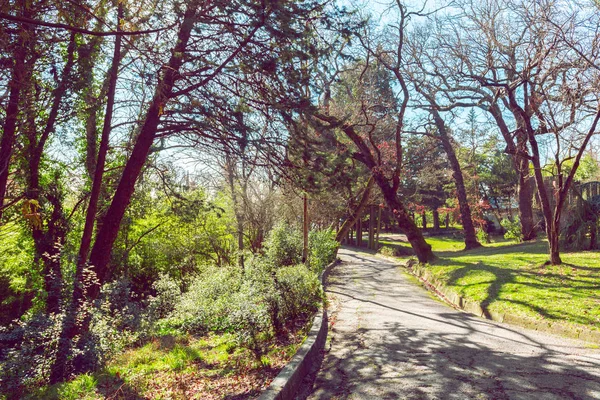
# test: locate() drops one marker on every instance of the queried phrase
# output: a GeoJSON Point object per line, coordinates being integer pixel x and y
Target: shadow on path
{"type": "Point", "coordinates": [389, 340]}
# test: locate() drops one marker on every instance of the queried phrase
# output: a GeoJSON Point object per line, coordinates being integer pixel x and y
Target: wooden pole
{"type": "Point", "coordinates": [305, 231]}
{"type": "Point", "coordinates": [378, 228]}
{"type": "Point", "coordinates": [371, 227]}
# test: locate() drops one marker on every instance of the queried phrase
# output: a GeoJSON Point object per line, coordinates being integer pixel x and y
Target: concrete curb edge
{"type": "Point", "coordinates": [288, 381]}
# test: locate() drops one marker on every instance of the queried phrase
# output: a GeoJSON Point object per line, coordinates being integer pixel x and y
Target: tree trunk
{"type": "Point", "coordinates": [90, 218]}
{"type": "Point", "coordinates": [378, 227]}
{"type": "Point", "coordinates": [388, 186]}
{"type": "Point", "coordinates": [372, 228]}
{"type": "Point", "coordinates": [355, 214]}
{"type": "Point", "coordinates": [525, 193]}
{"type": "Point", "coordinates": [594, 235]}
{"type": "Point", "coordinates": [424, 220]}
{"type": "Point", "coordinates": [553, 244]}
{"type": "Point", "coordinates": [230, 171]}
{"type": "Point", "coordinates": [305, 224]}
{"type": "Point", "coordinates": [59, 367]}
{"type": "Point", "coordinates": [407, 225]}
{"type": "Point", "coordinates": [48, 249]}
{"type": "Point", "coordinates": [9, 129]}
{"type": "Point", "coordinates": [552, 229]}
{"type": "Point", "coordinates": [471, 241]}
{"type": "Point", "coordinates": [436, 220]}
{"type": "Point", "coordinates": [48, 243]}
{"type": "Point", "coordinates": [107, 233]}
{"type": "Point", "coordinates": [521, 165]}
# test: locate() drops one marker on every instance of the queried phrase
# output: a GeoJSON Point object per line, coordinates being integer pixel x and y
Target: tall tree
{"type": "Point", "coordinates": [219, 68]}
{"type": "Point", "coordinates": [465, 49]}
{"type": "Point", "coordinates": [546, 85]}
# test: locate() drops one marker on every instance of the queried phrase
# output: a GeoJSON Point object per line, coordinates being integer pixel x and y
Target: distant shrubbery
{"type": "Point", "coordinates": [322, 248]}
{"type": "Point", "coordinates": [284, 247]}
{"type": "Point", "coordinates": [512, 228]}
{"type": "Point", "coordinates": [396, 251]}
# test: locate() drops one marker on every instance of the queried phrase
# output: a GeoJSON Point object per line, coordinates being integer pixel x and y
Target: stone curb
{"type": "Point", "coordinates": [288, 381]}
{"type": "Point", "coordinates": [472, 307]}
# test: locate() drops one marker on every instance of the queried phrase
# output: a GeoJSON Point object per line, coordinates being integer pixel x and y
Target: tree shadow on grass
{"type": "Point", "coordinates": [530, 280]}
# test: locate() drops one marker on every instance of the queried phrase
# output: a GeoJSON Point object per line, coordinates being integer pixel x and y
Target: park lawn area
{"type": "Point", "coordinates": [511, 278]}
{"type": "Point", "coordinates": [444, 244]}
{"type": "Point", "coordinates": [181, 367]}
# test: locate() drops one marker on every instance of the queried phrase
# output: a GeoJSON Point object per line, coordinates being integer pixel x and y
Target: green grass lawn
{"type": "Point", "coordinates": [183, 367]}
{"type": "Point", "coordinates": [512, 278]}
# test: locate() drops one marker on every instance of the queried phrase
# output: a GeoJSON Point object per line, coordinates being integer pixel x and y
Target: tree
{"type": "Point", "coordinates": [548, 87]}
{"type": "Point", "coordinates": [376, 135]}
{"type": "Point", "coordinates": [467, 48]}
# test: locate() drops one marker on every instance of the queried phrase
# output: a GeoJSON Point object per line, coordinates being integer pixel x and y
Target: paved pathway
{"type": "Point", "coordinates": [391, 340]}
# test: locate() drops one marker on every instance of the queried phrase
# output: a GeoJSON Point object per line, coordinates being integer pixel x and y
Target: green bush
{"type": "Point", "coordinates": [27, 349]}
{"type": "Point", "coordinates": [284, 245]}
{"type": "Point", "coordinates": [300, 291]}
{"type": "Point", "coordinates": [322, 249]}
{"type": "Point", "coordinates": [167, 296]}
{"type": "Point", "coordinates": [396, 251]}
{"type": "Point", "coordinates": [227, 300]}
{"type": "Point", "coordinates": [512, 228]}
{"type": "Point", "coordinates": [252, 304]}
{"type": "Point", "coordinates": [255, 302]}
{"type": "Point", "coordinates": [207, 305]}
{"type": "Point", "coordinates": [482, 236]}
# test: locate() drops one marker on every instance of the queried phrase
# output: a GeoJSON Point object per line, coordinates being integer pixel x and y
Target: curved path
{"type": "Point", "coordinates": [391, 340]}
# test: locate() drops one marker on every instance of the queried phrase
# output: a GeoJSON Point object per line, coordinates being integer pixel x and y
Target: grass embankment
{"type": "Point", "coordinates": [510, 278]}
{"type": "Point", "coordinates": [184, 367]}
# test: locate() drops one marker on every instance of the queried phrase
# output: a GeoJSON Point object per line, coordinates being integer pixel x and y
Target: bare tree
{"type": "Point", "coordinates": [431, 86]}
{"type": "Point", "coordinates": [547, 86]}
{"type": "Point", "coordinates": [462, 48]}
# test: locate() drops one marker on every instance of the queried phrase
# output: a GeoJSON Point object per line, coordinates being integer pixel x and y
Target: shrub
{"type": "Point", "coordinates": [167, 296]}
{"type": "Point", "coordinates": [27, 349]}
{"type": "Point", "coordinates": [207, 304]}
{"type": "Point", "coordinates": [284, 245]}
{"type": "Point", "coordinates": [225, 300]}
{"type": "Point", "coordinates": [482, 236]}
{"type": "Point", "coordinates": [322, 249]}
{"type": "Point", "coordinates": [513, 229]}
{"type": "Point", "coordinates": [300, 291]}
{"type": "Point", "coordinates": [253, 303]}
{"type": "Point", "coordinates": [119, 319]}
{"type": "Point", "coordinates": [396, 251]}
